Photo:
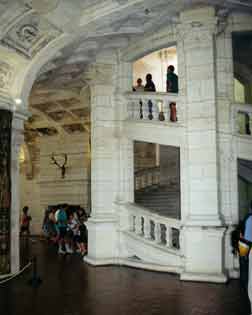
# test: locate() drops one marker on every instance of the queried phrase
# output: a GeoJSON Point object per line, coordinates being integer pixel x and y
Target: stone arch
{"type": "Point", "coordinates": [27, 75]}
{"type": "Point", "coordinates": [162, 39]}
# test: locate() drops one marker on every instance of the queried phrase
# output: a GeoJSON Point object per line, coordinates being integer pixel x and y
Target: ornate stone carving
{"type": "Point", "coordinates": [6, 75]}
{"type": "Point", "coordinates": [31, 34]}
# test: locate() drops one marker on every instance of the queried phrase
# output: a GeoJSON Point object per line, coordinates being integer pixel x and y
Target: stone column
{"type": "Point", "coordinates": [16, 142]}
{"type": "Point", "coordinates": [202, 232]}
{"type": "Point", "coordinates": [102, 234]}
{"type": "Point", "coordinates": [227, 149]}
{"type": "Point", "coordinates": [16, 139]}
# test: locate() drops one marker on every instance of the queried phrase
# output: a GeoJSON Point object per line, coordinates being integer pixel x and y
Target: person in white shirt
{"type": "Point", "coordinates": [139, 87]}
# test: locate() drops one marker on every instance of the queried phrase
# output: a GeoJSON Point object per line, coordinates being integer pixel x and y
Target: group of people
{"type": "Point", "coordinates": [65, 226]}
{"type": "Point", "coordinates": [171, 82]}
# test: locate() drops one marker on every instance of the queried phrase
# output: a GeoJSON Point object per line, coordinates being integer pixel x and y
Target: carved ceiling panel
{"type": "Point", "coordinates": [46, 107]}
{"type": "Point", "coordinates": [30, 34]}
{"type": "Point", "coordinates": [59, 115]}
{"type": "Point", "coordinates": [81, 112]}
{"type": "Point", "coordinates": [50, 131]}
{"type": "Point", "coordinates": [68, 103]}
{"type": "Point", "coordinates": [74, 128]}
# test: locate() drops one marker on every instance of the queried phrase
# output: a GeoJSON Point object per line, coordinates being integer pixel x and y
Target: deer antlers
{"type": "Point", "coordinates": [62, 167]}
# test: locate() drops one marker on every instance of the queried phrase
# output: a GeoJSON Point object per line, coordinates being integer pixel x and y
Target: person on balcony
{"type": "Point", "coordinates": [171, 80]}
{"type": "Point", "coordinates": [139, 86]}
{"type": "Point", "coordinates": [149, 86]}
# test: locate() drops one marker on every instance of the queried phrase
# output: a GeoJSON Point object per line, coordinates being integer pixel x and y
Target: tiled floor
{"type": "Point", "coordinates": [71, 287]}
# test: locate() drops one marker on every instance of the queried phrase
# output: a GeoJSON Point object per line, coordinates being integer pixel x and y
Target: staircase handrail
{"type": "Point", "coordinates": [157, 229]}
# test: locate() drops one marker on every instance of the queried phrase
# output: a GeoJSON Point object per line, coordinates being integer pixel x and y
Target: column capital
{"type": "Point", "coordinates": [198, 24]}
{"type": "Point", "coordinates": [99, 74]}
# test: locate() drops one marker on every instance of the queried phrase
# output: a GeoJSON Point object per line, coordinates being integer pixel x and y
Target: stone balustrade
{"type": "Point", "coordinates": [242, 119]}
{"type": "Point", "coordinates": [147, 178]}
{"type": "Point", "coordinates": [154, 106]}
{"type": "Point", "coordinates": [157, 229]}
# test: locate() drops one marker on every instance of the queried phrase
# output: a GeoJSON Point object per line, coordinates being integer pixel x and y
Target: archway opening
{"type": "Point", "coordinates": [55, 161]}
{"type": "Point", "coordinates": [242, 50]}
{"type": "Point", "coordinates": [156, 63]}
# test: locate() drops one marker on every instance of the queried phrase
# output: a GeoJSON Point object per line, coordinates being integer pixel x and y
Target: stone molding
{"type": "Point", "coordinates": [6, 76]}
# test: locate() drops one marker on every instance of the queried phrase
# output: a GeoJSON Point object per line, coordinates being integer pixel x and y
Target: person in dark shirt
{"type": "Point", "coordinates": [171, 80]}
{"type": "Point", "coordinates": [149, 86]}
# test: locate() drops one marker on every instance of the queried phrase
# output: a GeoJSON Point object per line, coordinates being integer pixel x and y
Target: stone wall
{"type": "Point", "coordinates": [47, 187]}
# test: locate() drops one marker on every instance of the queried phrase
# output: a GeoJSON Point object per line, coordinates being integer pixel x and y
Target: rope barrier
{"type": "Point", "coordinates": [16, 274]}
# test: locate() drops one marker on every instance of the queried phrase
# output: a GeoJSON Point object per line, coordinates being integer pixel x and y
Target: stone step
{"type": "Point", "coordinates": [161, 200]}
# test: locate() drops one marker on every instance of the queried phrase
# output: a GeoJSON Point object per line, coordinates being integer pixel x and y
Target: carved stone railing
{"type": "Point", "coordinates": [154, 106]}
{"type": "Point", "coordinates": [156, 229]}
{"type": "Point", "coordinates": [147, 177]}
{"type": "Point", "coordinates": [242, 119]}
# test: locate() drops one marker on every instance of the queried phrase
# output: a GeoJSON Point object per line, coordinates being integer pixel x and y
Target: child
{"type": "Point", "coordinates": [75, 228]}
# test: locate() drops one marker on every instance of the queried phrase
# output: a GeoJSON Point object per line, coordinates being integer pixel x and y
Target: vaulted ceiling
{"type": "Point", "coordinates": [59, 100]}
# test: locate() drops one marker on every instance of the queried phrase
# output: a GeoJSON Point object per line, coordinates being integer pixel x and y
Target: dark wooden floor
{"type": "Point", "coordinates": [71, 287]}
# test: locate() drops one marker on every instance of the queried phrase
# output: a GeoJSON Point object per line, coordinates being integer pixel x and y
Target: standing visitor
{"type": "Point", "coordinates": [171, 80]}
{"type": "Point", "coordinates": [25, 221]}
{"type": "Point", "coordinates": [139, 86]}
{"type": "Point", "coordinates": [61, 223]}
{"type": "Point", "coordinates": [149, 86]}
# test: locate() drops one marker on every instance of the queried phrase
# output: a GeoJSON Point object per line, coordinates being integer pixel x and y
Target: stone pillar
{"type": "Point", "coordinates": [202, 232]}
{"type": "Point", "coordinates": [16, 142]}
{"type": "Point", "coordinates": [102, 234]}
{"type": "Point", "coordinates": [5, 190]}
{"type": "Point", "coordinates": [227, 149]}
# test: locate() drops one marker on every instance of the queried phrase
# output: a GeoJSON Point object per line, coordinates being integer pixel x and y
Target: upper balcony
{"type": "Point", "coordinates": [242, 120]}
{"type": "Point", "coordinates": [155, 107]}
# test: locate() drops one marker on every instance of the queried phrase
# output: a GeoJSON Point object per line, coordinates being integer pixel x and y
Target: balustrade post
{"type": "Point", "coordinates": [157, 233]}
{"type": "Point", "coordinates": [133, 223]}
{"type": "Point", "coordinates": [168, 236]}
{"type": "Point", "coordinates": [146, 228]}
{"type": "Point", "coordinates": [138, 225]}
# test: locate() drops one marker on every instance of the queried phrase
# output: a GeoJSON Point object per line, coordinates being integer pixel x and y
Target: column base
{"type": "Point", "coordinates": [203, 277]}
{"type": "Point", "coordinates": [100, 261]}
{"type": "Point", "coordinates": [102, 240]}
{"type": "Point", "coordinates": [204, 254]}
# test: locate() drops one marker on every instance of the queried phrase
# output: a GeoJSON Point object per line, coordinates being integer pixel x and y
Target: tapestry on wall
{"type": "Point", "coordinates": [5, 189]}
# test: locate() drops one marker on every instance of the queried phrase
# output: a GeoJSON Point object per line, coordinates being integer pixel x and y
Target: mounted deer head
{"type": "Point", "coordinates": [62, 167]}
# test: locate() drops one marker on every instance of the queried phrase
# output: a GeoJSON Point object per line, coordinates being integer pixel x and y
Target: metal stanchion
{"type": "Point", "coordinates": [35, 280]}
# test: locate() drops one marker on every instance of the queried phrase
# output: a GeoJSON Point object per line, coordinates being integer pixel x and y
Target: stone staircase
{"type": "Point", "coordinates": [162, 200]}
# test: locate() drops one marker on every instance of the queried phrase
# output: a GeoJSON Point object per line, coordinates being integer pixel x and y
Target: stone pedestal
{"type": "Point", "coordinates": [203, 251]}
{"type": "Point", "coordinates": [202, 232]}
{"type": "Point", "coordinates": [102, 240]}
